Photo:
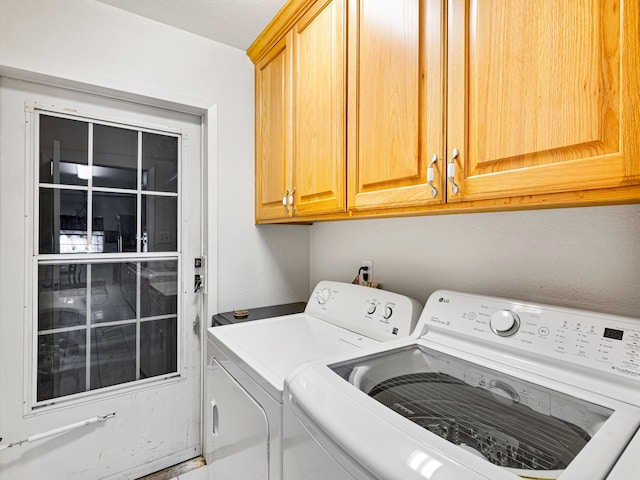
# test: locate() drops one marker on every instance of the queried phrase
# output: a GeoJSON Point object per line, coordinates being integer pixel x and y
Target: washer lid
{"type": "Point", "coordinates": [512, 413]}
{"type": "Point", "coordinates": [506, 420]}
{"type": "Point", "coordinates": [629, 464]}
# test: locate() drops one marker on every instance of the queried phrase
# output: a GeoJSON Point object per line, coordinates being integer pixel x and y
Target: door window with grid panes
{"type": "Point", "coordinates": [107, 255]}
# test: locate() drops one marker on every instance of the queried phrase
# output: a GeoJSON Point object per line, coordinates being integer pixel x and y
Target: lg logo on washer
{"type": "Point", "coordinates": [443, 300]}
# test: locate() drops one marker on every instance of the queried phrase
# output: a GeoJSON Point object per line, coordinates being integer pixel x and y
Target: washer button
{"type": "Point", "coordinates": [504, 323]}
{"type": "Point", "coordinates": [543, 331]}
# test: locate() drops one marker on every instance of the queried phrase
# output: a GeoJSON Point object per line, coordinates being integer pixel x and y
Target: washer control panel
{"type": "Point", "coordinates": [605, 342]}
{"type": "Point", "coordinates": [378, 314]}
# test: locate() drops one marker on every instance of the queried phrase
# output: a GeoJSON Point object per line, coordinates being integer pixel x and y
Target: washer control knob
{"type": "Point", "coordinates": [504, 323]}
{"type": "Point", "coordinates": [323, 295]}
{"type": "Point", "coordinates": [388, 311]}
{"type": "Point", "coordinates": [372, 308]}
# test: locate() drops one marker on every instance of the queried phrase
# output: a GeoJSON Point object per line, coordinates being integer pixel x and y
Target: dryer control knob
{"type": "Point", "coordinates": [504, 323]}
{"type": "Point", "coordinates": [323, 296]}
{"type": "Point", "coordinates": [388, 311]}
{"type": "Point", "coordinates": [372, 308]}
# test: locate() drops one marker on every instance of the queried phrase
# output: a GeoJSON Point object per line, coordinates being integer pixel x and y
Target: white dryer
{"type": "Point", "coordinates": [485, 388]}
{"type": "Point", "coordinates": [247, 365]}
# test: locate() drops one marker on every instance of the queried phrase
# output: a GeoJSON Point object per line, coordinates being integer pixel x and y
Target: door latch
{"type": "Point", "coordinates": [198, 279]}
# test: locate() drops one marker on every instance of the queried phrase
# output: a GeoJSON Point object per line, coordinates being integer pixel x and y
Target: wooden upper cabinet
{"type": "Point", "coordinates": [395, 106]}
{"type": "Point", "coordinates": [542, 96]}
{"type": "Point", "coordinates": [319, 151]}
{"type": "Point", "coordinates": [273, 117]}
{"type": "Point", "coordinates": [457, 106]}
{"type": "Point", "coordinates": [301, 116]}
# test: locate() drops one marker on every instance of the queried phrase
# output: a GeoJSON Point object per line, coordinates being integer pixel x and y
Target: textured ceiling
{"type": "Point", "coordinates": [232, 22]}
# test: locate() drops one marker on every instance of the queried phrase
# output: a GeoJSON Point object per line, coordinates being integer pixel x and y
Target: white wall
{"type": "Point", "coordinates": [94, 47]}
{"type": "Point", "coordinates": [579, 257]}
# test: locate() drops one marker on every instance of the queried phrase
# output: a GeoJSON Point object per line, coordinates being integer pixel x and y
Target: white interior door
{"type": "Point", "coordinates": [100, 345]}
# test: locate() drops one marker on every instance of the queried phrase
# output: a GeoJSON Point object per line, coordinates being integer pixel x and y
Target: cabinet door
{"type": "Point", "coordinates": [319, 167]}
{"type": "Point", "coordinates": [273, 116]}
{"type": "Point", "coordinates": [542, 96]}
{"type": "Point", "coordinates": [395, 105]}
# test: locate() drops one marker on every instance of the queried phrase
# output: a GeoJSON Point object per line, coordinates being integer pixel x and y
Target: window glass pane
{"type": "Point", "coordinates": [158, 347]}
{"type": "Point", "coordinates": [116, 213]}
{"type": "Point", "coordinates": [129, 305]}
{"type": "Point", "coordinates": [61, 364]}
{"type": "Point", "coordinates": [63, 151]}
{"type": "Point", "coordinates": [159, 163]}
{"type": "Point", "coordinates": [62, 296]}
{"type": "Point", "coordinates": [115, 157]}
{"type": "Point", "coordinates": [159, 224]}
{"type": "Point", "coordinates": [113, 355]}
{"type": "Point", "coordinates": [113, 292]}
{"type": "Point", "coordinates": [63, 221]}
{"type": "Point", "coordinates": [158, 288]}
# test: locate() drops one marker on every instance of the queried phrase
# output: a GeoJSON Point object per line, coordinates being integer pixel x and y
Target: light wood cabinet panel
{"type": "Point", "coordinates": [273, 117]}
{"type": "Point", "coordinates": [542, 96]}
{"type": "Point", "coordinates": [395, 107]}
{"type": "Point", "coordinates": [319, 152]}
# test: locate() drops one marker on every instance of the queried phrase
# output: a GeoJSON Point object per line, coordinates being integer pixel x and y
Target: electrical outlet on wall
{"type": "Point", "coordinates": [368, 273]}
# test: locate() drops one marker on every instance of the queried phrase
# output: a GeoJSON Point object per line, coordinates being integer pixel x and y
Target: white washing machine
{"type": "Point", "coordinates": [485, 388]}
{"type": "Point", "coordinates": [248, 362]}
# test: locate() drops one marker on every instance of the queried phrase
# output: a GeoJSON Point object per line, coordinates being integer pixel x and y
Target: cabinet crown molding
{"type": "Point", "coordinates": [277, 28]}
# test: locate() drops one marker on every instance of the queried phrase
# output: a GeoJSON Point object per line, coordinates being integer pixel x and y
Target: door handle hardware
{"type": "Point", "coordinates": [284, 201]}
{"type": "Point", "coordinates": [431, 175]}
{"type": "Point", "coordinates": [293, 209]}
{"type": "Point", "coordinates": [451, 171]}
{"type": "Point", "coordinates": [58, 431]}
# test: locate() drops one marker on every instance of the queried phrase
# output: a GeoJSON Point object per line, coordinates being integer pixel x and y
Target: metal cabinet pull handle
{"type": "Point", "coordinates": [293, 190]}
{"type": "Point", "coordinates": [284, 201]}
{"type": "Point", "coordinates": [451, 171]}
{"type": "Point", "coordinates": [431, 175]}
